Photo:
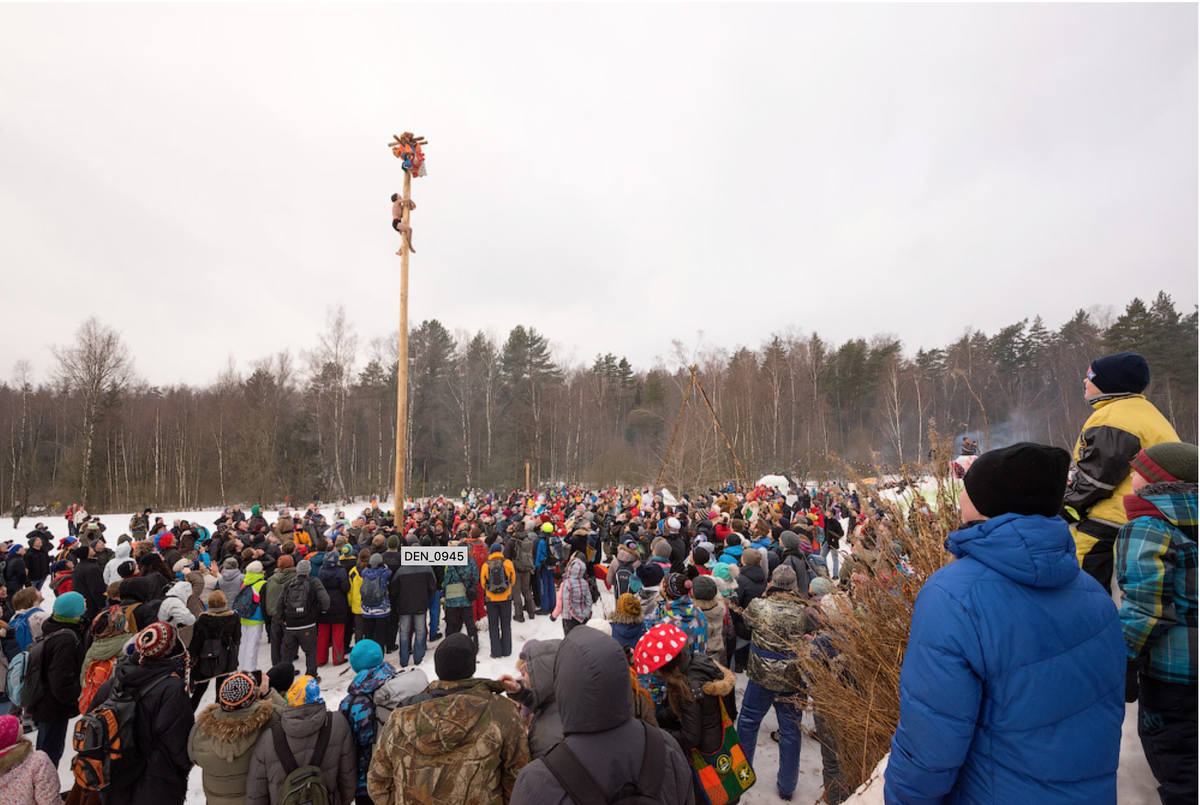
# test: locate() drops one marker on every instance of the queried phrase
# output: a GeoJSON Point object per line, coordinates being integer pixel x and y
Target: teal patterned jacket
{"type": "Point", "coordinates": [1156, 569]}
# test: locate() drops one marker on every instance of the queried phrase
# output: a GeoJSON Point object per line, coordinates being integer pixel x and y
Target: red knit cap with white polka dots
{"type": "Point", "coordinates": [658, 647]}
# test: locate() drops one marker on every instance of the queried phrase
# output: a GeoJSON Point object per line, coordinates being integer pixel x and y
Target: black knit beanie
{"type": "Point", "coordinates": [1025, 478]}
{"type": "Point", "coordinates": [1125, 372]}
{"type": "Point", "coordinates": [455, 658]}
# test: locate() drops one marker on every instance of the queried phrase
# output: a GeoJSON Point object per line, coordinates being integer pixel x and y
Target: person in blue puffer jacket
{"type": "Point", "coordinates": [1013, 681]}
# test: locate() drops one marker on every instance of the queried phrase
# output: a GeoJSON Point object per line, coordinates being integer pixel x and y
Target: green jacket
{"type": "Point", "coordinates": [221, 744]}
{"type": "Point", "coordinates": [274, 588]}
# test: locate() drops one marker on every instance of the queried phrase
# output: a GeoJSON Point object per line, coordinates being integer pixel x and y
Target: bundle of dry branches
{"type": "Point", "coordinates": [866, 623]}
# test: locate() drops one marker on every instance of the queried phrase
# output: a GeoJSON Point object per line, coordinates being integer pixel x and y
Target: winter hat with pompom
{"type": "Point", "coordinates": [676, 586]}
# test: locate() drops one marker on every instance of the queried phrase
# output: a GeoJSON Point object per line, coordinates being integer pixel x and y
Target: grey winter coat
{"type": "Point", "coordinates": [230, 583]}
{"type": "Point", "coordinates": [591, 684]}
{"type": "Point", "coordinates": [301, 725]}
{"type": "Point", "coordinates": [545, 730]}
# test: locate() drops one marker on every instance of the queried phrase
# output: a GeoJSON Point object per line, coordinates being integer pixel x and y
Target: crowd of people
{"type": "Point", "coordinates": [1011, 688]}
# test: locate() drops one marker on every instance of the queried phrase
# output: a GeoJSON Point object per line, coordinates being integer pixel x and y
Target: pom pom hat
{"type": "Point", "coordinates": [658, 647]}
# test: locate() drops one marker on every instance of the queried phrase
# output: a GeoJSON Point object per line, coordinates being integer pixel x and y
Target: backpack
{"type": "Point", "coordinates": [297, 602]}
{"type": "Point", "coordinates": [244, 603]}
{"type": "Point", "coordinates": [556, 550]}
{"type": "Point", "coordinates": [621, 579]}
{"type": "Point", "coordinates": [387, 697]}
{"type": "Point", "coordinates": [105, 737]}
{"type": "Point", "coordinates": [24, 632]}
{"type": "Point", "coordinates": [581, 787]}
{"type": "Point", "coordinates": [97, 673]}
{"type": "Point", "coordinates": [213, 659]}
{"type": "Point", "coordinates": [523, 555]}
{"type": "Point", "coordinates": [29, 686]}
{"type": "Point", "coordinates": [373, 592]}
{"type": "Point", "coordinates": [303, 785]}
{"type": "Point", "coordinates": [498, 582]}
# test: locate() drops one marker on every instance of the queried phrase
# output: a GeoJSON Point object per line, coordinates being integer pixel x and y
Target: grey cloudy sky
{"type": "Point", "coordinates": [209, 179]}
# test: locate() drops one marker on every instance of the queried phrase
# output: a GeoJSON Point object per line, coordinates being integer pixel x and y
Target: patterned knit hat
{"type": "Point", "coordinates": [237, 691]}
{"type": "Point", "coordinates": [109, 623]}
{"type": "Point", "coordinates": [1169, 461]}
{"type": "Point", "coordinates": [658, 647]}
{"type": "Point", "coordinates": [676, 586]}
{"type": "Point", "coordinates": [10, 733]}
{"type": "Point", "coordinates": [304, 690]}
{"type": "Point", "coordinates": [155, 641]}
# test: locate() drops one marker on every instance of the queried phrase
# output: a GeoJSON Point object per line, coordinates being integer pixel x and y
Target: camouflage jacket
{"type": "Point", "coordinates": [462, 746]}
{"type": "Point", "coordinates": [778, 622]}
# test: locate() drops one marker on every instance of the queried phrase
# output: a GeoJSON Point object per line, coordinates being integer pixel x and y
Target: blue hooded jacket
{"type": "Point", "coordinates": [1013, 682]}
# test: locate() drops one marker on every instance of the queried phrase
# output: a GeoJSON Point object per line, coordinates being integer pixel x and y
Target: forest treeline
{"type": "Point", "coordinates": [323, 423]}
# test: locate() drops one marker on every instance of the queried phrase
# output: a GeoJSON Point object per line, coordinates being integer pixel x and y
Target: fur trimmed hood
{"type": "Point", "coordinates": [722, 686]}
{"type": "Point", "coordinates": [230, 734]}
{"type": "Point", "coordinates": [16, 756]}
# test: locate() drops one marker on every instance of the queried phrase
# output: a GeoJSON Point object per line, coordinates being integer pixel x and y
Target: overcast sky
{"type": "Point", "coordinates": [210, 179]}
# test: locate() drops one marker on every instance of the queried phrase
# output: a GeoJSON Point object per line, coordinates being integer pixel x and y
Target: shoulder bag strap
{"type": "Point", "coordinates": [650, 778]}
{"type": "Point", "coordinates": [283, 750]}
{"type": "Point", "coordinates": [322, 741]}
{"type": "Point", "coordinates": [575, 780]}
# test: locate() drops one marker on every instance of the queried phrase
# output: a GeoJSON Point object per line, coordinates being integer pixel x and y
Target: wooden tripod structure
{"type": "Point", "coordinates": [695, 384]}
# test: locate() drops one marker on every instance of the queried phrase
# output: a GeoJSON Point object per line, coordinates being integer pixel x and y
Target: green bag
{"type": "Point", "coordinates": [304, 785]}
{"type": "Point", "coordinates": [724, 775]}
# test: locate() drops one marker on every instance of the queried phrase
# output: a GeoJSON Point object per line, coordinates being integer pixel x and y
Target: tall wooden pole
{"type": "Point", "coordinates": [402, 374]}
{"type": "Point", "coordinates": [526, 475]}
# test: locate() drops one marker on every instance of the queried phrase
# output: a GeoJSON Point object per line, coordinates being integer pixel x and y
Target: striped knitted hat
{"type": "Point", "coordinates": [1169, 461]}
{"type": "Point", "coordinates": [155, 640]}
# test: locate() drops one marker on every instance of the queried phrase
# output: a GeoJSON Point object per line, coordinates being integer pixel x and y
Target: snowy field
{"type": "Point", "coordinates": [1135, 783]}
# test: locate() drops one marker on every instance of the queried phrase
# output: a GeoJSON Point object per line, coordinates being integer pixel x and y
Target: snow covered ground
{"type": "Point", "coordinates": [1136, 785]}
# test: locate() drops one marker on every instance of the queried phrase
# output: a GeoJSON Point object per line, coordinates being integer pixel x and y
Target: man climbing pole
{"type": "Point", "coordinates": [399, 203]}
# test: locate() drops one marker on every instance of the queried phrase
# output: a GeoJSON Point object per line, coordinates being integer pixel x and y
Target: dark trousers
{"type": "Point", "coordinates": [352, 631]}
{"type": "Point", "coordinates": [296, 639]}
{"type": "Point", "coordinates": [569, 624]}
{"type": "Point", "coordinates": [393, 626]}
{"type": "Point", "coordinates": [499, 617]}
{"type": "Point", "coordinates": [377, 629]}
{"type": "Point", "coordinates": [52, 739]}
{"type": "Point", "coordinates": [201, 688]}
{"type": "Point", "coordinates": [275, 638]}
{"type": "Point", "coordinates": [459, 617]}
{"type": "Point", "coordinates": [523, 596]}
{"type": "Point", "coordinates": [1167, 727]}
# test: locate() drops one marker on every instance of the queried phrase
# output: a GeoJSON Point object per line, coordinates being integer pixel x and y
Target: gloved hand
{"type": "Point", "coordinates": [1132, 687]}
